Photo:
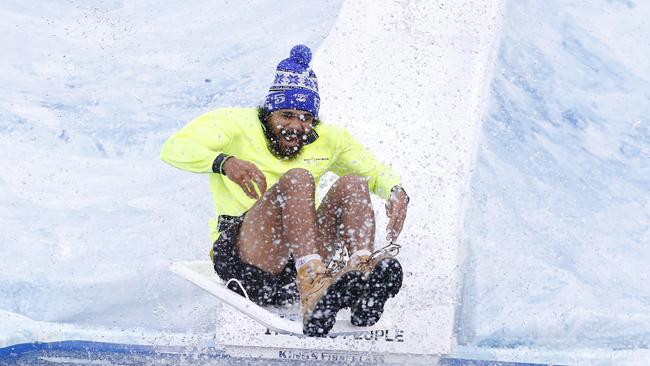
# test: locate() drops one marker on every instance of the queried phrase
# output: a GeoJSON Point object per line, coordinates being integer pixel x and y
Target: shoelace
{"type": "Point", "coordinates": [320, 276]}
{"type": "Point", "coordinates": [336, 265]}
{"type": "Point", "coordinates": [328, 273]}
{"type": "Point", "coordinates": [392, 249]}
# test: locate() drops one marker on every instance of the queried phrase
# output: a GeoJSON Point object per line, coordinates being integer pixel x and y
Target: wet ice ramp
{"type": "Point", "coordinates": [409, 80]}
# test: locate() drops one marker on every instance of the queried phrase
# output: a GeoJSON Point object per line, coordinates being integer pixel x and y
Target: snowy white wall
{"type": "Point", "coordinates": [407, 78]}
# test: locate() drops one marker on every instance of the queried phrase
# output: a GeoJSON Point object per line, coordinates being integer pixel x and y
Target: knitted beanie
{"type": "Point", "coordinates": [295, 85]}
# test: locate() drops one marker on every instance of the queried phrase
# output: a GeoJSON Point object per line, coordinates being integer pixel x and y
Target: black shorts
{"type": "Point", "coordinates": [263, 288]}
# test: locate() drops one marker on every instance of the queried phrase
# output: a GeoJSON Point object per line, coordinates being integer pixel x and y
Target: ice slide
{"type": "Point", "coordinates": [387, 73]}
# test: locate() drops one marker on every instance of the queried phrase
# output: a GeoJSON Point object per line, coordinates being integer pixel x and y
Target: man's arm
{"type": "Point", "coordinates": [354, 158]}
{"type": "Point", "coordinates": [199, 146]}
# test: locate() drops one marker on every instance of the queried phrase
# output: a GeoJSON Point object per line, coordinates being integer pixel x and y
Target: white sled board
{"type": "Point", "coordinates": [286, 320]}
{"type": "Point", "coordinates": [245, 329]}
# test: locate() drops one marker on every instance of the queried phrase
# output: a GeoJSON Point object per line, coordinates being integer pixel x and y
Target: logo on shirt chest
{"type": "Point", "coordinates": [315, 160]}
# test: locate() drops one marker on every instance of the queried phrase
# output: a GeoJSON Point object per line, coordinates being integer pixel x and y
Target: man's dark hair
{"type": "Point", "coordinates": [264, 115]}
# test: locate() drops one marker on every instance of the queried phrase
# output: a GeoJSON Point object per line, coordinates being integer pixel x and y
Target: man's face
{"type": "Point", "coordinates": [290, 128]}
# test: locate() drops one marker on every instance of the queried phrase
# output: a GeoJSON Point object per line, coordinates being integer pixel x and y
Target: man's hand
{"type": "Point", "coordinates": [396, 211]}
{"type": "Point", "coordinates": [244, 174]}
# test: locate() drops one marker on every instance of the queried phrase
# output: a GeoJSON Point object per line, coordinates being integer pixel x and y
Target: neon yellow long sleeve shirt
{"type": "Point", "coordinates": [239, 132]}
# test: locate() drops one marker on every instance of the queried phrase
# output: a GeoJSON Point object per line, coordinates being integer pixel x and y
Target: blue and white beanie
{"type": "Point", "coordinates": [295, 84]}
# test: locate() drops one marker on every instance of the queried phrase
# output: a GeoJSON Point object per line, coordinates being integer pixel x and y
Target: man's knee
{"type": "Point", "coordinates": [352, 184]}
{"type": "Point", "coordinates": [297, 179]}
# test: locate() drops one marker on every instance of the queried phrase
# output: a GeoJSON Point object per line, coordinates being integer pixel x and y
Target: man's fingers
{"type": "Point", "coordinates": [253, 174]}
{"type": "Point", "coordinates": [391, 221]}
{"type": "Point", "coordinates": [395, 223]}
{"type": "Point", "coordinates": [390, 229]}
{"type": "Point", "coordinates": [389, 236]}
{"type": "Point", "coordinates": [401, 217]}
{"type": "Point", "coordinates": [252, 192]}
{"type": "Point", "coordinates": [245, 188]}
{"type": "Point", "coordinates": [399, 222]}
{"type": "Point", "coordinates": [249, 189]}
{"type": "Point", "coordinates": [260, 179]}
{"type": "Point", "coordinates": [248, 177]}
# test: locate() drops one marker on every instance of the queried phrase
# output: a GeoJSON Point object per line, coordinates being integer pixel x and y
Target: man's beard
{"type": "Point", "coordinates": [276, 148]}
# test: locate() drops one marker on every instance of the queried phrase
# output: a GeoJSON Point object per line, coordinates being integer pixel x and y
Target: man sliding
{"type": "Point", "coordinates": [271, 235]}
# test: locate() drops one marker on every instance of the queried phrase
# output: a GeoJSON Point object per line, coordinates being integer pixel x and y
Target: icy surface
{"type": "Point", "coordinates": [91, 218]}
{"type": "Point", "coordinates": [558, 222]}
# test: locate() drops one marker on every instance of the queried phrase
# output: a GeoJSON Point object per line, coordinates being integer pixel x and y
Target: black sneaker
{"type": "Point", "coordinates": [383, 281]}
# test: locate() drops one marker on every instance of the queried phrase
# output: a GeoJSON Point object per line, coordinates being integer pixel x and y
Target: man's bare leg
{"type": "Point", "coordinates": [265, 241]}
{"type": "Point", "coordinates": [283, 221]}
{"type": "Point", "coordinates": [346, 217]}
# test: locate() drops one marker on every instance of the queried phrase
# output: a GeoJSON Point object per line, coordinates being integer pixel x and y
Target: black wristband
{"type": "Point", "coordinates": [217, 165]}
{"type": "Point", "coordinates": [399, 188]}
